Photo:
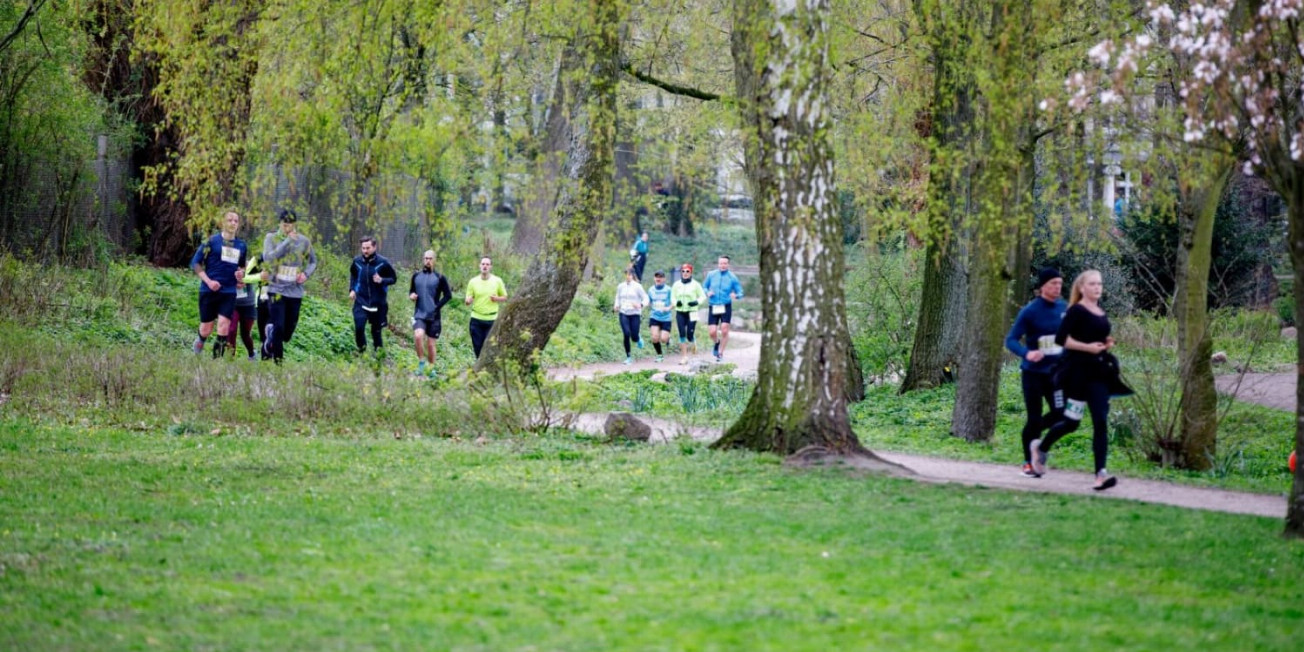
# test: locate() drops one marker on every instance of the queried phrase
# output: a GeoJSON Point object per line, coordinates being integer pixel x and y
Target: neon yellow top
{"type": "Point", "coordinates": [478, 290]}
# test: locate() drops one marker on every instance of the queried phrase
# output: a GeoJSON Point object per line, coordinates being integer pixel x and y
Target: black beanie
{"type": "Point", "coordinates": [1047, 274]}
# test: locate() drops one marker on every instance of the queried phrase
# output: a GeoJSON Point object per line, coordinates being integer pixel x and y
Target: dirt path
{"type": "Point", "coordinates": [1272, 390]}
{"type": "Point", "coordinates": [744, 352]}
{"type": "Point", "coordinates": [1006, 476]}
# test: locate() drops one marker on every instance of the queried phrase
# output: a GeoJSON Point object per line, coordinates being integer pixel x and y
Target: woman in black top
{"type": "Point", "coordinates": [1084, 334]}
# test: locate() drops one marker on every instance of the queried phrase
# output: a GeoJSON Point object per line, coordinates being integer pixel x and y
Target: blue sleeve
{"type": "Point", "coordinates": [1014, 339]}
{"type": "Point", "coordinates": [738, 285]}
{"type": "Point", "coordinates": [353, 277]}
{"type": "Point", "coordinates": [199, 255]}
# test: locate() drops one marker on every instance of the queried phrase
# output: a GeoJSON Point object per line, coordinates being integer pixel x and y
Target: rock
{"type": "Point", "coordinates": [698, 366]}
{"type": "Point", "coordinates": [1288, 333]}
{"type": "Point", "coordinates": [659, 377]}
{"type": "Point", "coordinates": [625, 404]}
{"type": "Point", "coordinates": [623, 425]}
{"type": "Point", "coordinates": [1219, 358]}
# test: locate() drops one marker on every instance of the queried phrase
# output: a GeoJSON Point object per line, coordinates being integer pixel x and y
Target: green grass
{"type": "Point", "coordinates": [120, 540]}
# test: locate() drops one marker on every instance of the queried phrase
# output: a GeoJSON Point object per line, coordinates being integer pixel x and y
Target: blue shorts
{"type": "Point", "coordinates": [657, 323]}
{"type": "Point", "coordinates": [212, 304]}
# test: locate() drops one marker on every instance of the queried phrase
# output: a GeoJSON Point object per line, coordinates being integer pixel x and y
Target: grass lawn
{"type": "Point", "coordinates": [145, 540]}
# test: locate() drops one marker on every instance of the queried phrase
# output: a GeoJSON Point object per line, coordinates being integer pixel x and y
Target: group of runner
{"type": "Point", "coordinates": [236, 289]}
{"type": "Point", "coordinates": [680, 302]}
{"type": "Point", "coordinates": [1066, 364]}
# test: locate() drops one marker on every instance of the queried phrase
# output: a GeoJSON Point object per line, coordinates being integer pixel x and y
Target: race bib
{"type": "Point", "coordinates": [241, 293]}
{"type": "Point", "coordinates": [661, 306]}
{"type": "Point", "coordinates": [230, 254]}
{"type": "Point", "coordinates": [718, 309]}
{"type": "Point", "coordinates": [287, 273]}
{"type": "Point", "coordinates": [1046, 344]}
{"type": "Point", "coordinates": [1075, 409]}
{"type": "Point", "coordinates": [692, 316]}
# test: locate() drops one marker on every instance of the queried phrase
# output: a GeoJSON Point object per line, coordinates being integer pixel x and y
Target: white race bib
{"type": "Point", "coordinates": [1075, 409]}
{"type": "Point", "coordinates": [717, 309]}
{"type": "Point", "coordinates": [1046, 344]}
{"type": "Point", "coordinates": [241, 293]}
{"type": "Point", "coordinates": [230, 254]}
{"type": "Point", "coordinates": [660, 306]}
{"type": "Point", "coordinates": [692, 316]}
{"type": "Point", "coordinates": [287, 273]}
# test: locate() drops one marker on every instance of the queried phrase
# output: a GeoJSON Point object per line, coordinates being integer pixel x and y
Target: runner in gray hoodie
{"type": "Point", "coordinates": [288, 262]}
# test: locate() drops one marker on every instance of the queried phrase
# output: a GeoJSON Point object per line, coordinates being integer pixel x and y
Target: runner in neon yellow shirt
{"type": "Point", "coordinates": [483, 294]}
{"type": "Point", "coordinates": [686, 296]}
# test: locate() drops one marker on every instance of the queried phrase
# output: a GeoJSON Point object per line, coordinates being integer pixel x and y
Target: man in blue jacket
{"type": "Point", "coordinates": [369, 279]}
{"type": "Point", "coordinates": [219, 263]}
{"type": "Point", "coordinates": [1036, 325]}
{"type": "Point", "coordinates": [722, 287]}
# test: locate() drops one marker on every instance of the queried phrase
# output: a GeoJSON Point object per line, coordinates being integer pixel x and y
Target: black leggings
{"type": "Point", "coordinates": [479, 332]}
{"type": "Point", "coordinates": [629, 326]}
{"type": "Point", "coordinates": [284, 315]}
{"type": "Point", "coordinates": [1038, 388]}
{"type": "Point", "coordinates": [1097, 397]}
{"type": "Point", "coordinates": [686, 326]}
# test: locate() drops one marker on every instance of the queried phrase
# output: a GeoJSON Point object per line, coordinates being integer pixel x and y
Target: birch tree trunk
{"type": "Point", "coordinates": [528, 320]}
{"type": "Point", "coordinates": [781, 67]}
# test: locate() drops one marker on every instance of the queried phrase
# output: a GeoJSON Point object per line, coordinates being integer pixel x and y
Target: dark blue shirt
{"type": "Point", "coordinates": [220, 259]}
{"type": "Point", "coordinates": [368, 292]}
{"type": "Point", "coordinates": [1037, 319]}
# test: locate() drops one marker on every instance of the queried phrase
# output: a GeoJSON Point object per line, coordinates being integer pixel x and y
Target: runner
{"type": "Point", "coordinates": [629, 304]}
{"type": "Point", "coordinates": [722, 287]}
{"type": "Point", "coordinates": [290, 260]}
{"type": "Point", "coordinates": [483, 294]}
{"type": "Point", "coordinates": [659, 321]}
{"type": "Point", "coordinates": [429, 290]}
{"type": "Point", "coordinates": [1037, 324]}
{"type": "Point", "coordinates": [638, 255]}
{"type": "Point", "coordinates": [369, 279]}
{"type": "Point", "coordinates": [246, 308]}
{"type": "Point", "coordinates": [219, 264]}
{"type": "Point", "coordinates": [1090, 379]}
{"type": "Point", "coordinates": [686, 295]}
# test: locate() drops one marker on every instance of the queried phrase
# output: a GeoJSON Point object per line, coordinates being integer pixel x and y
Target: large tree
{"type": "Point", "coordinates": [591, 66]}
{"type": "Point", "coordinates": [781, 72]}
{"type": "Point", "coordinates": [1245, 83]}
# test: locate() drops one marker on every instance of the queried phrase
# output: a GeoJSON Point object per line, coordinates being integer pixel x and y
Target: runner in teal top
{"type": "Point", "coordinates": [659, 321]}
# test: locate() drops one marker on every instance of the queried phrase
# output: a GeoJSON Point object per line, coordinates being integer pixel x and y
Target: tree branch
{"type": "Point", "coordinates": [32, 7]}
{"type": "Point", "coordinates": [668, 87]}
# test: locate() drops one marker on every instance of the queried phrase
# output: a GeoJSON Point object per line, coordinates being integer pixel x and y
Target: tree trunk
{"type": "Point", "coordinates": [538, 201]}
{"type": "Point", "coordinates": [1020, 264]}
{"type": "Point", "coordinates": [525, 323]}
{"type": "Point", "coordinates": [941, 318]}
{"type": "Point", "coordinates": [1196, 211]}
{"type": "Point", "coordinates": [1289, 182]}
{"type": "Point", "coordinates": [781, 72]}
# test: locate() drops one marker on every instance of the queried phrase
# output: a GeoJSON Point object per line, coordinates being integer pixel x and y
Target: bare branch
{"type": "Point", "coordinates": [668, 87]}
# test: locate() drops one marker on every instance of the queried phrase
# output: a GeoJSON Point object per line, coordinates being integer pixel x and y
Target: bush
{"type": "Point", "coordinates": [882, 296]}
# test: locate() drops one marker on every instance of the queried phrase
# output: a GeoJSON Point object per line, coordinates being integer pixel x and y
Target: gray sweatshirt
{"type": "Point", "coordinates": [283, 259]}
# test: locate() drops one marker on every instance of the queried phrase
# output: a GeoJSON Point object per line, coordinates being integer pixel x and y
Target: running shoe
{"type": "Point", "coordinates": [1038, 457]}
{"type": "Point", "coordinates": [629, 360]}
{"type": "Point", "coordinates": [639, 343]}
{"type": "Point", "coordinates": [198, 346]}
{"type": "Point", "coordinates": [1029, 473]}
{"type": "Point", "coordinates": [661, 358]}
{"type": "Point", "coordinates": [1104, 480]}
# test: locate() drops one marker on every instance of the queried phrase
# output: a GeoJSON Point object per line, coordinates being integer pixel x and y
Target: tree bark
{"type": "Point", "coordinates": [525, 323]}
{"type": "Point", "coordinates": [1287, 178]}
{"type": "Point", "coordinates": [781, 70]}
{"type": "Point", "coordinates": [1196, 210]}
{"type": "Point", "coordinates": [539, 202]}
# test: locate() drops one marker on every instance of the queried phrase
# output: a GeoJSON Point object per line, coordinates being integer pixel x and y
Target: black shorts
{"type": "Point", "coordinates": [657, 323]}
{"type": "Point", "coordinates": [432, 326]}
{"type": "Point", "coordinates": [723, 318]}
{"type": "Point", "coordinates": [212, 304]}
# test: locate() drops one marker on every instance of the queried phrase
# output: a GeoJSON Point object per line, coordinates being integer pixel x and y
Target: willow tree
{"type": "Point", "coordinates": [207, 56]}
{"type": "Point", "coordinates": [781, 73]}
{"type": "Point", "coordinates": [584, 196]}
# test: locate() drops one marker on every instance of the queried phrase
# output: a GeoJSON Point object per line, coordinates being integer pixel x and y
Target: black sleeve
{"type": "Point", "coordinates": [388, 275]}
{"type": "Point", "coordinates": [1069, 325]}
{"type": "Point", "coordinates": [443, 293]}
{"type": "Point", "coordinates": [412, 285]}
{"type": "Point", "coordinates": [353, 276]}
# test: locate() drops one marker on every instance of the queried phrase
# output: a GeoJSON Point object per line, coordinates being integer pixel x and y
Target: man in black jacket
{"type": "Point", "coordinates": [430, 290]}
{"type": "Point", "coordinates": [369, 278]}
